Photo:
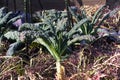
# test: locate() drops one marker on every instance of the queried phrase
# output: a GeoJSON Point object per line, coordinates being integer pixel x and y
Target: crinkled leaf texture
{"type": "Point", "coordinates": [13, 35]}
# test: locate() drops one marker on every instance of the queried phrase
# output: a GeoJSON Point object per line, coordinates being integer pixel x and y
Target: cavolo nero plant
{"type": "Point", "coordinates": [93, 25]}
{"type": "Point", "coordinates": [53, 35]}
{"type": "Point", "coordinates": [52, 32]}
{"type": "Point", "coordinates": [89, 26]}
{"type": "Point", "coordinates": [52, 15]}
{"type": "Point", "coordinates": [57, 40]}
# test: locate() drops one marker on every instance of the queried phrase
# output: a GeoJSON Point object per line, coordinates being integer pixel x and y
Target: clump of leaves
{"type": "Point", "coordinates": [6, 19]}
{"type": "Point", "coordinates": [93, 25]}
{"type": "Point", "coordinates": [55, 36]}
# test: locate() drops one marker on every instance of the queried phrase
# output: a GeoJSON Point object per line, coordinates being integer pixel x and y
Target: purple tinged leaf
{"type": "Point", "coordinates": [18, 23]}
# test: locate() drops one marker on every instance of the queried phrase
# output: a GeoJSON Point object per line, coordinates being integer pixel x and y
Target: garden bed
{"type": "Point", "coordinates": [74, 44]}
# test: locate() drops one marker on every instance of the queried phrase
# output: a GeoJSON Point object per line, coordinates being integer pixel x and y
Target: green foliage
{"type": "Point", "coordinates": [58, 39]}
{"type": "Point", "coordinates": [88, 26]}
{"type": "Point", "coordinates": [50, 47]}
{"type": "Point", "coordinates": [53, 31]}
{"type": "Point", "coordinates": [13, 35]}
{"type": "Point", "coordinates": [91, 26]}
{"type": "Point", "coordinates": [6, 19]}
{"type": "Point", "coordinates": [98, 14]}
{"type": "Point", "coordinates": [49, 15]}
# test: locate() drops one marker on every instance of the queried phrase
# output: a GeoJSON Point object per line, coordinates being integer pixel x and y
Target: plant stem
{"type": "Point", "coordinates": [60, 74]}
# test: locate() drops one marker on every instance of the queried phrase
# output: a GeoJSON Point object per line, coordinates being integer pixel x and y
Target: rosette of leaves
{"type": "Point", "coordinates": [57, 40]}
{"type": "Point", "coordinates": [54, 37]}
